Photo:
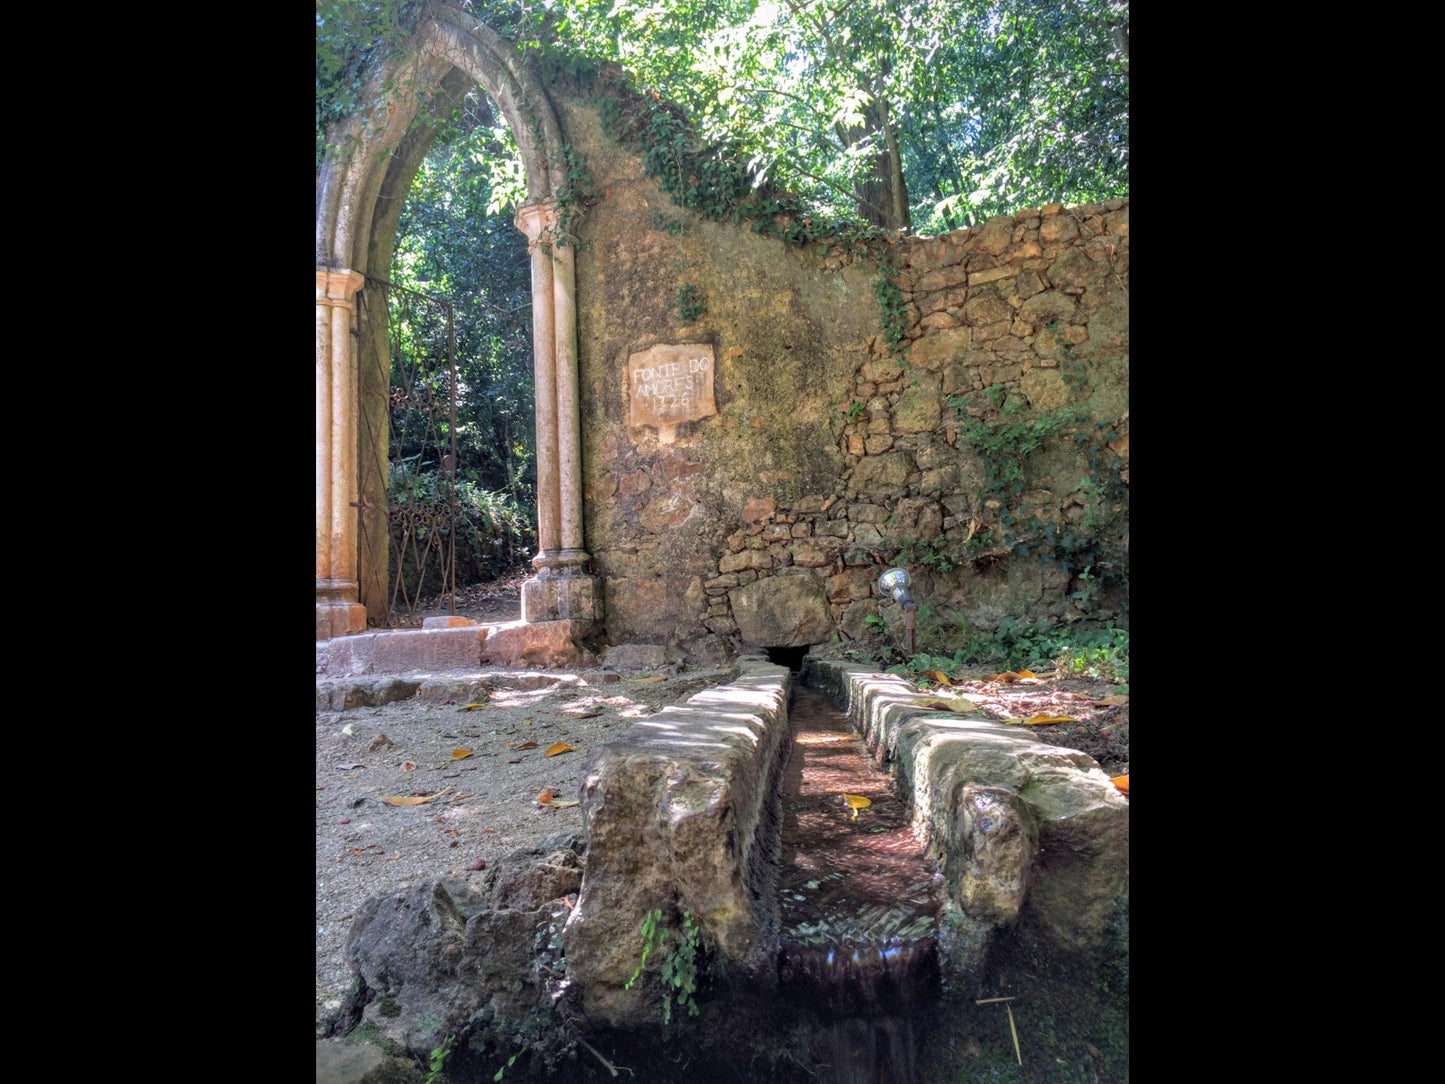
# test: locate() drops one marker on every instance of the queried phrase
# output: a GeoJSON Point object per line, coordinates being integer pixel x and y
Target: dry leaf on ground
{"type": "Point", "coordinates": [415, 799]}
{"type": "Point", "coordinates": [556, 748]}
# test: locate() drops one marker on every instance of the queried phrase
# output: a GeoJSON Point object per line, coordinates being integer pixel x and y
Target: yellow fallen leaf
{"type": "Point", "coordinates": [1047, 720]}
{"type": "Point", "coordinates": [1016, 675]}
{"type": "Point", "coordinates": [1116, 699]}
{"type": "Point", "coordinates": [938, 676]}
{"type": "Point", "coordinates": [646, 680]}
{"type": "Point", "coordinates": [559, 803]}
{"type": "Point", "coordinates": [954, 704]}
{"type": "Point", "coordinates": [856, 802]}
{"type": "Point", "coordinates": [528, 745]}
{"type": "Point", "coordinates": [417, 799]}
{"type": "Point", "coordinates": [470, 707]}
{"type": "Point", "coordinates": [461, 754]}
{"type": "Point", "coordinates": [1122, 782]}
{"type": "Point", "coordinates": [556, 748]}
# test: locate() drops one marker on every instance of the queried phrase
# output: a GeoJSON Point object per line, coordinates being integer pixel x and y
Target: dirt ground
{"type": "Point", "coordinates": [429, 788]}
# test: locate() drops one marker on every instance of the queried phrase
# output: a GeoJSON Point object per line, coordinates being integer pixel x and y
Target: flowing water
{"type": "Point", "coordinates": [859, 901]}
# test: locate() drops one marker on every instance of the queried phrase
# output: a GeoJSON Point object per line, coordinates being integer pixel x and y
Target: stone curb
{"type": "Point", "coordinates": [1022, 830]}
{"type": "Point", "coordinates": [680, 815]}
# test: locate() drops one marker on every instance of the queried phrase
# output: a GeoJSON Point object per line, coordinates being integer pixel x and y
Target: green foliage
{"type": "Point", "coordinates": [855, 411]}
{"type": "Point", "coordinates": [689, 304]}
{"type": "Point", "coordinates": [494, 534]}
{"type": "Point", "coordinates": [438, 1058]}
{"type": "Point", "coordinates": [652, 933]}
{"type": "Point", "coordinates": [986, 106]}
{"type": "Point", "coordinates": [680, 966]}
{"type": "Point", "coordinates": [353, 38]}
{"type": "Point", "coordinates": [890, 302]}
{"type": "Point", "coordinates": [500, 1072]}
{"type": "Point", "coordinates": [1080, 648]}
{"type": "Point", "coordinates": [680, 971]}
{"type": "Point", "coordinates": [456, 240]}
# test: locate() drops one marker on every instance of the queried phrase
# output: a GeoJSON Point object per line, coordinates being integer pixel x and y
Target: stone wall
{"type": "Point", "coordinates": [755, 447]}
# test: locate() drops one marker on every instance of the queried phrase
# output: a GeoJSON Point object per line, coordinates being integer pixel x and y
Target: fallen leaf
{"type": "Point", "coordinates": [1046, 720]}
{"type": "Point", "coordinates": [558, 803]}
{"type": "Point", "coordinates": [408, 765]}
{"type": "Point", "coordinates": [470, 707]}
{"type": "Point", "coordinates": [453, 832]}
{"type": "Point", "coordinates": [381, 741]}
{"type": "Point", "coordinates": [587, 713]}
{"type": "Point", "coordinates": [646, 680]}
{"type": "Point", "coordinates": [422, 799]}
{"type": "Point", "coordinates": [547, 795]}
{"type": "Point", "coordinates": [1122, 782]}
{"type": "Point", "coordinates": [856, 802]}
{"type": "Point", "coordinates": [558, 747]}
{"type": "Point", "coordinates": [938, 676]}
{"type": "Point", "coordinates": [953, 704]}
{"type": "Point", "coordinates": [1117, 698]}
{"type": "Point", "coordinates": [1016, 675]}
{"type": "Point", "coordinates": [527, 745]}
{"type": "Point", "coordinates": [461, 754]}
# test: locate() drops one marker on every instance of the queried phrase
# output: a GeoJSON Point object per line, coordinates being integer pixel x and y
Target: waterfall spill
{"type": "Point", "coordinates": [859, 901]}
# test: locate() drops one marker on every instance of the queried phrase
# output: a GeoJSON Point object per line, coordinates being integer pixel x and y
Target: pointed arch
{"type": "Point", "coordinates": [359, 191]}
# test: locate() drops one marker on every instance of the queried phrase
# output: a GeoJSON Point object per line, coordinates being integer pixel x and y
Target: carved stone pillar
{"type": "Point", "coordinates": [562, 589]}
{"type": "Point", "coordinates": [338, 609]}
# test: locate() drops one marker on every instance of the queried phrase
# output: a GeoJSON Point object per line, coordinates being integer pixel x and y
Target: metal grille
{"type": "Point", "coordinates": [422, 510]}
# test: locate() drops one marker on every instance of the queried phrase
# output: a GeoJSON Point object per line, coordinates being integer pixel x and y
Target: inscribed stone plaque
{"type": "Point", "coordinates": [670, 384]}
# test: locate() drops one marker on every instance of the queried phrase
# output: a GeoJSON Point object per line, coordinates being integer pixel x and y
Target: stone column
{"type": "Point", "coordinates": [532, 220]}
{"type": "Point", "coordinates": [338, 611]}
{"type": "Point", "coordinates": [562, 589]}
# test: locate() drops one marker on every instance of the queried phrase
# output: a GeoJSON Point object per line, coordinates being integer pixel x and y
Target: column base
{"type": "Point", "coordinates": [337, 611]}
{"type": "Point", "coordinates": [561, 590]}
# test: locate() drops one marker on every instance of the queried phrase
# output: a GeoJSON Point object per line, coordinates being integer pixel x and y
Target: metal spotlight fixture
{"type": "Point", "coordinates": [896, 582]}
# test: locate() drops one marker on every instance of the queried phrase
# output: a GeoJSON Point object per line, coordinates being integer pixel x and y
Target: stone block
{"type": "Point", "coordinates": [426, 649]}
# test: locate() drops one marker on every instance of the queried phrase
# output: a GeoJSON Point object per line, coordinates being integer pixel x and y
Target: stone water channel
{"type": "Point", "coordinates": [867, 949]}
{"type": "Point", "coordinates": [858, 898]}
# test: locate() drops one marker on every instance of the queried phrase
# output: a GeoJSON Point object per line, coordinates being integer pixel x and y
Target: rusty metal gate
{"type": "Point", "coordinates": [421, 456]}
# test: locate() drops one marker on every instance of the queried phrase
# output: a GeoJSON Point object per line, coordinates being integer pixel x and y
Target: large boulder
{"type": "Point", "coordinates": [789, 609]}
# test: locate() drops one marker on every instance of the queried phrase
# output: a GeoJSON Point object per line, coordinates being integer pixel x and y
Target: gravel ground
{"type": "Point", "coordinates": [473, 776]}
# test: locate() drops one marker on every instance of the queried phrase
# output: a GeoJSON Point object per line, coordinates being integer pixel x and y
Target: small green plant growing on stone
{"type": "Point", "coordinates": [855, 410]}
{"type": "Point", "coordinates": [689, 304]}
{"type": "Point", "coordinates": [679, 971]}
{"type": "Point", "coordinates": [438, 1058]}
{"type": "Point", "coordinates": [890, 300]}
{"type": "Point", "coordinates": [679, 967]}
{"type": "Point", "coordinates": [510, 1062]}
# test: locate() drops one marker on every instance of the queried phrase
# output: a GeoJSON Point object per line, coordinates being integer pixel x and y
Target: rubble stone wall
{"type": "Point", "coordinates": [747, 419]}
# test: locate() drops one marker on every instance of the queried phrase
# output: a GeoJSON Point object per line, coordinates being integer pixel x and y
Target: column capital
{"type": "Point", "coordinates": [337, 286]}
{"type": "Point", "coordinates": [538, 221]}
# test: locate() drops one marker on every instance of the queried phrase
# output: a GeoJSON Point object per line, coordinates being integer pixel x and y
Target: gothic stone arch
{"type": "Point", "coordinates": [359, 194]}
